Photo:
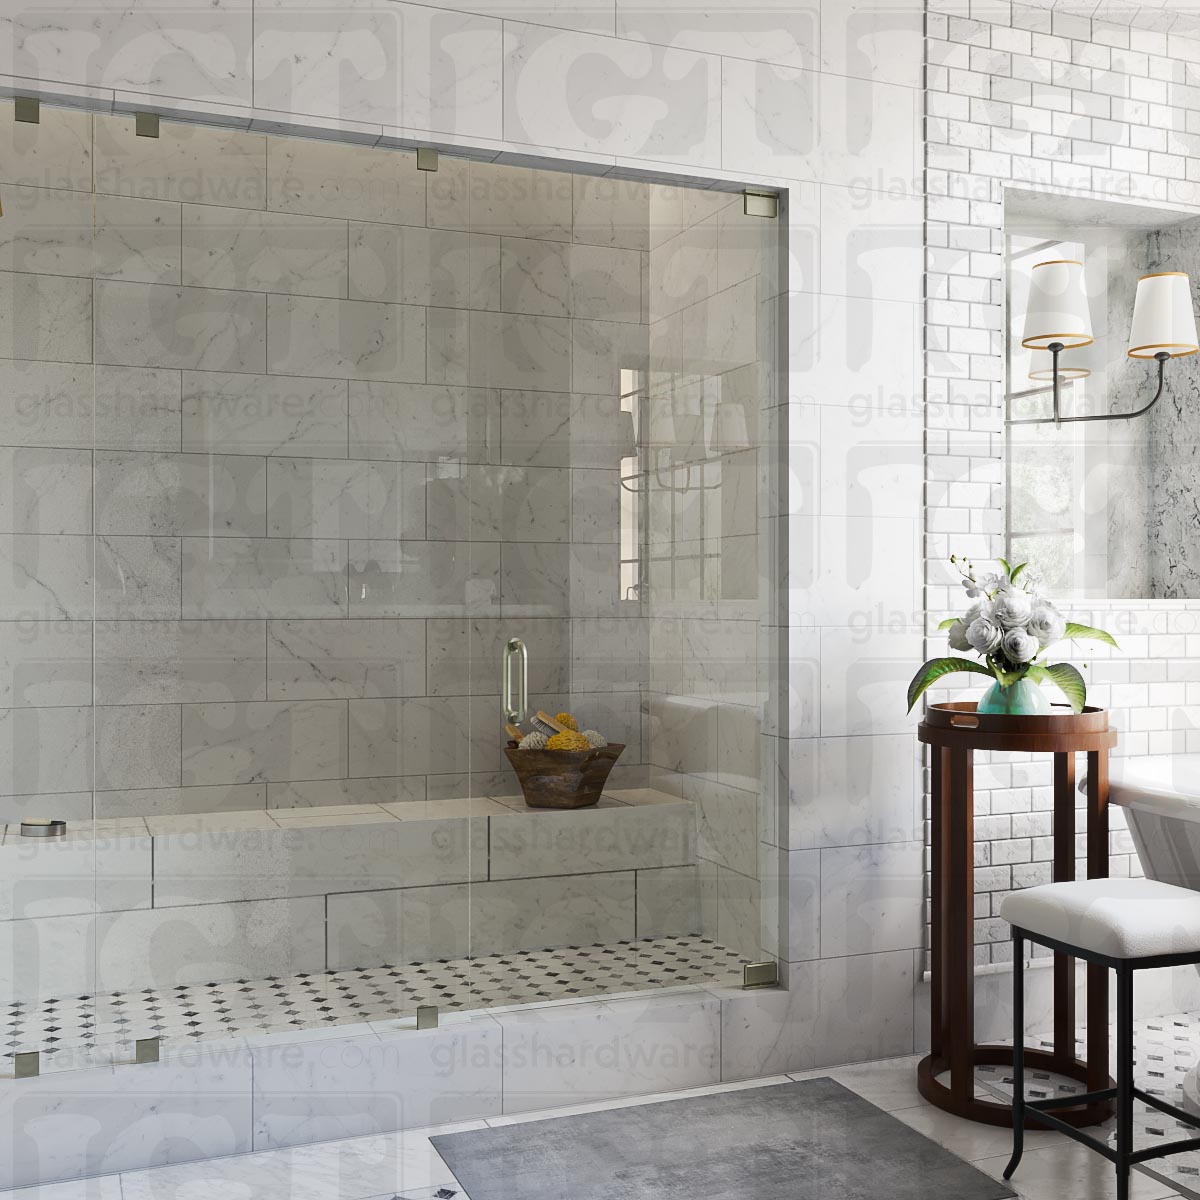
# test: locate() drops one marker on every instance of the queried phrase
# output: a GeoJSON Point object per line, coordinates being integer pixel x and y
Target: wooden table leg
{"type": "Point", "coordinates": [1097, 868]}
{"type": "Point", "coordinates": [1064, 870]}
{"type": "Point", "coordinates": [960, 926]}
{"type": "Point", "coordinates": [937, 881]}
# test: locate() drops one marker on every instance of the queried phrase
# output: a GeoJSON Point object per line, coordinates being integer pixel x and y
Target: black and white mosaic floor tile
{"type": "Point", "coordinates": [1165, 1049]}
{"type": "Point", "coordinates": [280, 1005]}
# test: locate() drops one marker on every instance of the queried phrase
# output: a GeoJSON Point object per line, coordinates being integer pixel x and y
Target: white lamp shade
{"type": "Point", "coordinates": [1058, 306]}
{"type": "Point", "coordinates": [729, 432]}
{"type": "Point", "coordinates": [1073, 364]}
{"type": "Point", "coordinates": [1163, 318]}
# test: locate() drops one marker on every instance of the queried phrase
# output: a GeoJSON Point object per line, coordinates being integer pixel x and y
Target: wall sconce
{"type": "Point", "coordinates": [1163, 327]}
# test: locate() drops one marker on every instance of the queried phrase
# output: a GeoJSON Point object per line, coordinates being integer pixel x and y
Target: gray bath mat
{"type": "Point", "coordinates": [814, 1140]}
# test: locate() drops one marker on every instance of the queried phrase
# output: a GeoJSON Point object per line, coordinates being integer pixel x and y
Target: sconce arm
{"type": "Point", "coordinates": [1161, 358]}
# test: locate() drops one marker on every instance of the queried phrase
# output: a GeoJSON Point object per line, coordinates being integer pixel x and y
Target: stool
{"type": "Point", "coordinates": [1126, 924]}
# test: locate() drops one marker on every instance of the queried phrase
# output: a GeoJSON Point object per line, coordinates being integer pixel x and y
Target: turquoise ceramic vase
{"type": "Point", "coordinates": [1021, 699]}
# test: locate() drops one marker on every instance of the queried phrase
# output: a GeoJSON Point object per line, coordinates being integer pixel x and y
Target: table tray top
{"type": "Point", "coordinates": [958, 725]}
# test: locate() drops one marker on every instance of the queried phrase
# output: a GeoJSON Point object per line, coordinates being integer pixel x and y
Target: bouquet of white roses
{"type": "Point", "coordinates": [1010, 626]}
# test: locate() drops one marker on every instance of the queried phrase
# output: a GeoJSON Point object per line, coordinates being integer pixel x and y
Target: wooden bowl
{"type": "Point", "coordinates": [563, 778]}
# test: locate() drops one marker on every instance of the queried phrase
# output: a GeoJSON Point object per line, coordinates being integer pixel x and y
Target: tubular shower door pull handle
{"type": "Point", "coordinates": [518, 714]}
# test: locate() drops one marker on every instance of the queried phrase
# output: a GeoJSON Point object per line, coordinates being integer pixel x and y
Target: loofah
{"type": "Point", "coordinates": [597, 741]}
{"type": "Point", "coordinates": [568, 741]}
{"type": "Point", "coordinates": [565, 718]}
{"type": "Point", "coordinates": [533, 741]}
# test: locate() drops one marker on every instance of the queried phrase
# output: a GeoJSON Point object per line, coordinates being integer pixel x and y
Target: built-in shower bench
{"type": "Point", "coordinates": [140, 902]}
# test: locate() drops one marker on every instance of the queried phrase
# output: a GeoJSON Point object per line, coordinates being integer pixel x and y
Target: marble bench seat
{"type": "Point", "coordinates": [141, 902]}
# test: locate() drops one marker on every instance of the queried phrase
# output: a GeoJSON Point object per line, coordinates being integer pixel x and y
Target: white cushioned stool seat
{"type": "Point", "coordinates": [1120, 918]}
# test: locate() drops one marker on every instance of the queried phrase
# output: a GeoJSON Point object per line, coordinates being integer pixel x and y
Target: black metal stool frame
{"type": "Point", "coordinates": [1036, 1111]}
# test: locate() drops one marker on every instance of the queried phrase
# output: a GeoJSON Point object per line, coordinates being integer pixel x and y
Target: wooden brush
{"type": "Point", "coordinates": [547, 724]}
{"type": "Point", "coordinates": [513, 732]}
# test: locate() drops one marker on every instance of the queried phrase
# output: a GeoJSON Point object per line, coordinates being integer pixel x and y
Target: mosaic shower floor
{"type": "Point", "coordinates": [77, 1030]}
{"type": "Point", "coordinates": [1165, 1049]}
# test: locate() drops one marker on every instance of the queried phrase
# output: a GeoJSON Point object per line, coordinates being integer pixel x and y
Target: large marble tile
{"type": "Point", "coordinates": [345, 339]}
{"type": "Point", "coordinates": [58, 878]}
{"type": "Point", "coordinates": [334, 179]}
{"type": "Point", "coordinates": [873, 39]}
{"type": "Point", "coordinates": [322, 793]}
{"type": "Point", "coordinates": [609, 837]}
{"type": "Point", "coordinates": [193, 1106]}
{"type": "Point", "coordinates": [668, 902]}
{"type": "Point", "coordinates": [151, 802]}
{"type": "Point", "coordinates": [137, 746]}
{"type": "Point", "coordinates": [464, 655]}
{"type": "Point", "coordinates": [803, 124]}
{"type": "Point", "coordinates": [137, 408]}
{"type": "Point", "coordinates": [137, 240]}
{"type": "Point", "coordinates": [421, 735]}
{"type": "Point", "coordinates": [852, 791]}
{"type": "Point", "coordinates": [779, 33]}
{"type": "Point", "coordinates": [137, 578]}
{"type": "Point", "coordinates": [179, 662]}
{"type": "Point", "coordinates": [731, 909]}
{"type": "Point", "coordinates": [211, 867]}
{"type": "Point", "coordinates": [872, 243]}
{"type": "Point", "coordinates": [442, 268]}
{"type": "Point", "coordinates": [332, 498]}
{"type": "Point", "coordinates": [46, 664]}
{"type": "Point", "coordinates": [199, 164]}
{"type": "Point", "coordinates": [45, 491]}
{"type": "Point", "coordinates": [181, 50]}
{"type": "Point", "coordinates": [510, 350]}
{"type": "Point", "coordinates": [580, 1052]}
{"type": "Point", "coordinates": [270, 415]}
{"type": "Point", "coordinates": [45, 957]}
{"type": "Point", "coordinates": [153, 325]}
{"type": "Point", "coordinates": [790, 898]}
{"type": "Point", "coordinates": [834, 1011]}
{"type": "Point", "coordinates": [611, 212]}
{"type": "Point", "coordinates": [263, 251]}
{"type": "Point", "coordinates": [263, 577]}
{"type": "Point", "coordinates": [417, 422]}
{"type": "Point", "coordinates": [317, 1091]}
{"type": "Point", "coordinates": [47, 404]}
{"type": "Point", "coordinates": [864, 674]}
{"type": "Point", "coordinates": [45, 750]}
{"type": "Point", "coordinates": [424, 579]}
{"type": "Point", "coordinates": [601, 350]}
{"type": "Point", "coordinates": [46, 317]}
{"type": "Point", "coordinates": [483, 503]}
{"type": "Point", "coordinates": [606, 283]}
{"type": "Point", "coordinates": [67, 806]}
{"type": "Point", "coordinates": [872, 898]}
{"type": "Point", "coordinates": [180, 945]}
{"type": "Point", "coordinates": [663, 104]}
{"type": "Point", "coordinates": [502, 200]}
{"type": "Point", "coordinates": [171, 495]}
{"type": "Point", "coordinates": [345, 659]}
{"type": "Point", "coordinates": [589, 16]}
{"type": "Point", "coordinates": [47, 232]}
{"type": "Point", "coordinates": [535, 277]}
{"type": "Point", "coordinates": [252, 742]}
{"type": "Point", "coordinates": [872, 459]}
{"type": "Point", "coordinates": [726, 824]}
{"type": "Point", "coordinates": [55, 153]}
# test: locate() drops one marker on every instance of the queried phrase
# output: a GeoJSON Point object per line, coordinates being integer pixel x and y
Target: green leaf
{"type": "Point", "coordinates": [1076, 632]}
{"type": "Point", "coordinates": [1017, 570]}
{"type": "Point", "coordinates": [1007, 568]}
{"type": "Point", "coordinates": [1069, 682]}
{"type": "Point", "coordinates": [937, 668]}
{"type": "Point", "coordinates": [948, 622]}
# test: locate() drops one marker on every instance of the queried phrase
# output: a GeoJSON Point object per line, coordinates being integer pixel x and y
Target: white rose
{"type": "Point", "coordinates": [984, 635]}
{"type": "Point", "coordinates": [981, 608]}
{"type": "Point", "coordinates": [1019, 646]}
{"type": "Point", "coordinates": [958, 636]}
{"type": "Point", "coordinates": [1012, 609]}
{"type": "Point", "coordinates": [1046, 624]}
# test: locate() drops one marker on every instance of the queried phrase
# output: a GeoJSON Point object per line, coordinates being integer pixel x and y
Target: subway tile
{"type": "Point", "coordinates": [424, 422]}
{"type": "Point", "coordinates": [345, 659]}
{"type": "Point", "coordinates": [333, 179]}
{"type": "Point", "coordinates": [45, 491]}
{"type": "Point", "coordinates": [423, 579]}
{"type": "Point", "coordinates": [179, 662]}
{"type": "Point", "coordinates": [137, 746]}
{"type": "Point", "coordinates": [195, 164]}
{"type": "Point", "coordinates": [346, 339]}
{"type": "Point", "coordinates": [55, 153]}
{"type": "Point", "coordinates": [263, 251]}
{"type": "Point", "coordinates": [328, 498]}
{"type": "Point", "coordinates": [249, 743]}
{"type": "Point", "coordinates": [152, 325]}
{"type": "Point", "coordinates": [264, 414]}
{"type": "Point", "coordinates": [45, 317]}
{"type": "Point", "coordinates": [263, 577]}
{"type": "Point", "coordinates": [440, 268]}
{"type": "Point", "coordinates": [179, 494]}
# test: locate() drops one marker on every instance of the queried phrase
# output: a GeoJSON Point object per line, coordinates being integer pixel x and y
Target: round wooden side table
{"type": "Point", "coordinates": [954, 732]}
